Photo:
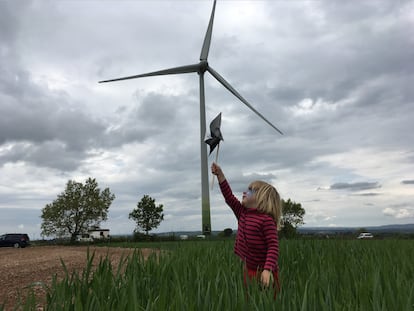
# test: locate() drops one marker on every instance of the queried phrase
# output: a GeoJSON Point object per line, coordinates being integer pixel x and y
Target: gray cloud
{"type": "Point", "coordinates": [407, 182]}
{"type": "Point", "coordinates": [357, 186]}
{"type": "Point", "coordinates": [368, 194]}
{"type": "Point", "coordinates": [46, 126]}
{"type": "Point", "coordinates": [43, 126]}
{"type": "Point", "coordinates": [152, 116]}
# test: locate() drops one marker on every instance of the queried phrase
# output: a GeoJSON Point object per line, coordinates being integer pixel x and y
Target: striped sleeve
{"type": "Point", "coordinates": [271, 238]}
{"type": "Point", "coordinates": [230, 199]}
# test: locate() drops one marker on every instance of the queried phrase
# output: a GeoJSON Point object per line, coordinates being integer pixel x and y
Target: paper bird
{"type": "Point", "coordinates": [215, 134]}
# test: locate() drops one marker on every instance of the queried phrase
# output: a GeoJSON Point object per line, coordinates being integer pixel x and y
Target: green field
{"type": "Point", "coordinates": [206, 275]}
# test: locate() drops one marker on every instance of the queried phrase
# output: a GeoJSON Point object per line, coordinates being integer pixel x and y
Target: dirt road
{"type": "Point", "coordinates": [23, 266]}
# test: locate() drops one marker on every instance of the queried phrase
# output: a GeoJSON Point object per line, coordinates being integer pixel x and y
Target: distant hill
{"type": "Point", "coordinates": [406, 228]}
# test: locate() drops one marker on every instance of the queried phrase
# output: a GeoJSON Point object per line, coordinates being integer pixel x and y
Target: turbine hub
{"type": "Point", "coordinates": [203, 65]}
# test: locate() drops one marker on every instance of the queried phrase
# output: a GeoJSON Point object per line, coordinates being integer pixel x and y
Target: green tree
{"type": "Point", "coordinates": [225, 233]}
{"type": "Point", "coordinates": [292, 213]}
{"type": "Point", "coordinates": [76, 209]}
{"type": "Point", "coordinates": [360, 230]}
{"type": "Point", "coordinates": [147, 215]}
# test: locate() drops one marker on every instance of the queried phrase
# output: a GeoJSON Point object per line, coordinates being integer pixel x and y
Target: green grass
{"type": "Point", "coordinates": [206, 275]}
{"type": "Point", "coordinates": [155, 245]}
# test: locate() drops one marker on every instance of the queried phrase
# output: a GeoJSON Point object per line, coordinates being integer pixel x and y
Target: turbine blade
{"type": "Point", "coordinates": [227, 85]}
{"type": "Point", "coordinates": [207, 38]}
{"type": "Point", "coordinates": [170, 71]}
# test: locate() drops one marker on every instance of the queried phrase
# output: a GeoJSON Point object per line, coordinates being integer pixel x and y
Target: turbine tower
{"type": "Point", "coordinates": [201, 68]}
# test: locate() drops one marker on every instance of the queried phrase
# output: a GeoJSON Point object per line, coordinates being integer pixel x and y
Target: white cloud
{"type": "Point", "coordinates": [309, 107]}
{"type": "Point", "coordinates": [401, 213]}
{"type": "Point", "coordinates": [373, 163]}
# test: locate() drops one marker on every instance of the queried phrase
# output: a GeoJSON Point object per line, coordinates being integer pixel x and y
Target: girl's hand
{"type": "Point", "coordinates": [216, 170]}
{"type": "Point", "coordinates": [265, 278]}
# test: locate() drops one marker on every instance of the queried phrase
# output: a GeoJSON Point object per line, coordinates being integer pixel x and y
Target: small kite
{"type": "Point", "coordinates": [215, 137]}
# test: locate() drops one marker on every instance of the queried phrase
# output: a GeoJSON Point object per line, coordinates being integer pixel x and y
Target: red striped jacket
{"type": "Point", "coordinates": [256, 241]}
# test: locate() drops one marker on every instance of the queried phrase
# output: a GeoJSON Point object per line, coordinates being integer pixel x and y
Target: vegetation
{"type": "Point", "coordinates": [206, 275]}
{"type": "Point", "coordinates": [76, 209]}
{"type": "Point", "coordinates": [226, 233]}
{"type": "Point", "coordinates": [293, 214]}
{"type": "Point", "coordinates": [147, 214]}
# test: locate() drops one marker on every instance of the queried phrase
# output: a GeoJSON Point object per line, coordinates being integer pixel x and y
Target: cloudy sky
{"type": "Point", "coordinates": [336, 77]}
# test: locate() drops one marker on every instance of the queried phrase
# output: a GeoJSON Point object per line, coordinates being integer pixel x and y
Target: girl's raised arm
{"type": "Point", "coordinates": [228, 195]}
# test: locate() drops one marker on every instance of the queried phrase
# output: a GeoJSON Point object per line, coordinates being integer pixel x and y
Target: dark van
{"type": "Point", "coordinates": [14, 240]}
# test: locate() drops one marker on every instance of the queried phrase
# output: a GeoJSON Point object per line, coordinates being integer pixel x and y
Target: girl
{"type": "Point", "coordinates": [258, 216]}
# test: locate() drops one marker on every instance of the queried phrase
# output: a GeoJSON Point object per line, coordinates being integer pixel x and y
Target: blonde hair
{"type": "Point", "coordinates": [267, 200]}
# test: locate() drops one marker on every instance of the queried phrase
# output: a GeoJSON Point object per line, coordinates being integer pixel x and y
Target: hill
{"type": "Point", "coordinates": [405, 228]}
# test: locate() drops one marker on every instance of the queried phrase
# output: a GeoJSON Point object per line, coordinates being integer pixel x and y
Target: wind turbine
{"type": "Point", "coordinates": [201, 68]}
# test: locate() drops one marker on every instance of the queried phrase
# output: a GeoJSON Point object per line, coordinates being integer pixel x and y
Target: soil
{"type": "Point", "coordinates": [21, 267]}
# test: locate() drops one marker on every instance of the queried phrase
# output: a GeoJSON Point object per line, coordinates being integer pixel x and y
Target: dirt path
{"type": "Point", "coordinates": [24, 266]}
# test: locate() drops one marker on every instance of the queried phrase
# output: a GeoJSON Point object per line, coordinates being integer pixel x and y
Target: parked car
{"type": "Point", "coordinates": [15, 240]}
{"type": "Point", "coordinates": [365, 235]}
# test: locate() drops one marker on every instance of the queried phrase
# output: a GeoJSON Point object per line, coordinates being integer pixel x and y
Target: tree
{"type": "Point", "coordinates": [360, 230]}
{"type": "Point", "coordinates": [147, 215]}
{"type": "Point", "coordinates": [76, 209]}
{"type": "Point", "coordinates": [225, 233]}
{"type": "Point", "coordinates": [292, 217]}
